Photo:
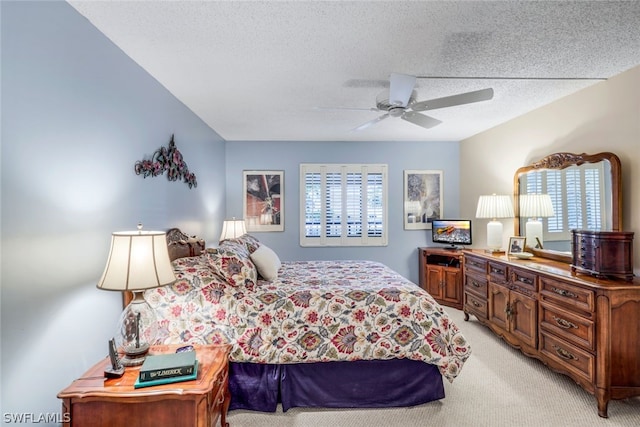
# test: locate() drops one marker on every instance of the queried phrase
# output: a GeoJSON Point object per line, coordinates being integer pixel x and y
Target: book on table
{"type": "Point", "coordinates": [167, 366]}
{"type": "Point", "coordinates": [168, 380]}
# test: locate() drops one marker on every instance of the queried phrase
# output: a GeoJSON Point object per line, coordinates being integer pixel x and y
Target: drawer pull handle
{"type": "Point", "coordinates": [496, 270]}
{"type": "Point", "coordinates": [564, 353]}
{"type": "Point", "coordinates": [564, 293]}
{"type": "Point", "coordinates": [525, 280]}
{"type": "Point", "coordinates": [565, 324]}
{"type": "Point", "coordinates": [476, 304]}
{"type": "Point", "coordinates": [476, 284]}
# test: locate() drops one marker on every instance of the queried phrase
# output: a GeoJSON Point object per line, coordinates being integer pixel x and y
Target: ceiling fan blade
{"type": "Point", "coordinates": [450, 101]}
{"type": "Point", "coordinates": [400, 88]}
{"type": "Point", "coordinates": [420, 119]}
{"type": "Point", "coordinates": [346, 109]}
{"type": "Point", "coordinates": [370, 123]}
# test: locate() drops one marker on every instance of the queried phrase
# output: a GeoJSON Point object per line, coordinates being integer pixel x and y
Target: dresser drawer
{"type": "Point", "coordinates": [566, 294]}
{"type": "Point", "coordinates": [476, 284]}
{"type": "Point", "coordinates": [474, 264]}
{"type": "Point", "coordinates": [573, 359]}
{"type": "Point", "coordinates": [475, 304]}
{"type": "Point", "coordinates": [498, 272]}
{"type": "Point", "coordinates": [569, 326]}
{"type": "Point", "coordinates": [523, 282]}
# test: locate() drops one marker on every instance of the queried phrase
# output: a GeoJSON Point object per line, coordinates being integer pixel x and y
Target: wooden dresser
{"type": "Point", "coordinates": [93, 400]}
{"type": "Point", "coordinates": [577, 324]}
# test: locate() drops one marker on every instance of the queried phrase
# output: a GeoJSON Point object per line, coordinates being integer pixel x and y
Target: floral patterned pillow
{"type": "Point", "coordinates": [192, 273]}
{"type": "Point", "coordinates": [247, 240]}
{"type": "Point", "coordinates": [250, 242]}
{"type": "Point", "coordinates": [231, 261]}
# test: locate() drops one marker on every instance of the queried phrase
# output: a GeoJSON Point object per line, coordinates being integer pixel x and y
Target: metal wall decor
{"type": "Point", "coordinates": [167, 159]}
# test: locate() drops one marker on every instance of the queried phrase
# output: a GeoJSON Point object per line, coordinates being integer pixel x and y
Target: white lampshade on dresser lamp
{"type": "Point", "coordinates": [534, 207]}
{"type": "Point", "coordinates": [494, 207]}
{"type": "Point", "coordinates": [138, 260]}
{"type": "Point", "coordinates": [232, 228]}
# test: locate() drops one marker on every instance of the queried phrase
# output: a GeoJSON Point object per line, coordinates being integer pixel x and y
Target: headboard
{"type": "Point", "coordinates": [180, 245]}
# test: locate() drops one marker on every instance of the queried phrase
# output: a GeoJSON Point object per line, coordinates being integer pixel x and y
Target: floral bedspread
{"type": "Point", "coordinates": [314, 311]}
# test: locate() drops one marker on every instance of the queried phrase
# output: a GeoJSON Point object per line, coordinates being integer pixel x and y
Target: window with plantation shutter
{"type": "Point", "coordinates": [343, 205]}
{"type": "Point", "coordinates": [576, 195]}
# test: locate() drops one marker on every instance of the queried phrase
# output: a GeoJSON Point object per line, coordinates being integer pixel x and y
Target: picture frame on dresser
{"type": "Point", "coordinates": [516, 245]}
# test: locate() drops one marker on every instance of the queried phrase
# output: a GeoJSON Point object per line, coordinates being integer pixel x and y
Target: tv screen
{"type": "Point", "coordinates": [451, 232]}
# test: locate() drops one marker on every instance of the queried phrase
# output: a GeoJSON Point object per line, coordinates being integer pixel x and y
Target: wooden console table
{"type": "Point", "coordinates": [579, 325]}
{"type": "Point", "coordinates": [92, 400]}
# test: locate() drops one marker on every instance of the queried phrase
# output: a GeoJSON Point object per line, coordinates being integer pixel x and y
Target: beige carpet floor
{"type": "Point", "coordinates": [498, 386]}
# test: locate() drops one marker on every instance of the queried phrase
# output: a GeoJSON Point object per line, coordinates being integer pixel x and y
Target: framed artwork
{"type": "Point", "coordinates": [516, 245]}
{"type": "Point", "coordinates": [263, 200]}
{"type": "Point", "coordinates": [422, 198]}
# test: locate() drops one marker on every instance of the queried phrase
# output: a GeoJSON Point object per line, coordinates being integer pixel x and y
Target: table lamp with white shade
{"type": "Point", "coordinates": [138, 260]}
{"type": "Point", "coordinates": [494, 206]}
{"type": "Point", "coordinates": [232, 228]}
{"type": "Point", "coordinates": [534, 207]}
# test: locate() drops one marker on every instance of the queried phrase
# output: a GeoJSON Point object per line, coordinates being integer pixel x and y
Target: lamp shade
{"type": "Point", "coordinates": [494, 206]}
{"type": "Point", "coordinates": [137, 260]}
{"type": "Point", "coordinates": [536, 206]}
{"type": "Point", "coordinates": [232, 228]}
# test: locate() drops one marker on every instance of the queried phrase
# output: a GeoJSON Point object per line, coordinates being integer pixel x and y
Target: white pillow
{"type": "Point", "coordinates": [267, 262]}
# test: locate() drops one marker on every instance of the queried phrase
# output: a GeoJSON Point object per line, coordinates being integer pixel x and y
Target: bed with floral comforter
{"type": "Point", "coordinates": [313, 311]}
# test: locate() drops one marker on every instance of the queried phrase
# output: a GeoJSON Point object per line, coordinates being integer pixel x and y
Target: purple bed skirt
{"type": "Point", "coordinates": [359, 384]}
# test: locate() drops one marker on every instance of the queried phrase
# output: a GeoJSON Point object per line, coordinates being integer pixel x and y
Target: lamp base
{"type": "Point", "coordinates": [494, 235]}
{"type": "Point", "coordinates": [114, 373]}
{"type": "Point", "coordinates": [533, 234]}
{"type": "Point", "coordinates": [135, 356]}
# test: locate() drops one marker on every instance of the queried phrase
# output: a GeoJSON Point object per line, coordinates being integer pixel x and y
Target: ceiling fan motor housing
{"type": "Point", "coordinates": [383, 103]}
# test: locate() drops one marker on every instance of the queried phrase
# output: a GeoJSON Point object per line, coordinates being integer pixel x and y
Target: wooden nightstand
{"type": "Point", "coordinates": [96, 401]}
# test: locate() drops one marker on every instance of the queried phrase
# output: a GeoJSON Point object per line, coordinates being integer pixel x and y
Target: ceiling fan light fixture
{"type": "Point", "coordinates": [396, 111]}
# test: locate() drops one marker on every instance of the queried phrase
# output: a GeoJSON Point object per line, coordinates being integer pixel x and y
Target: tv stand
{"type": "Point", "coordinates": [441, 274]}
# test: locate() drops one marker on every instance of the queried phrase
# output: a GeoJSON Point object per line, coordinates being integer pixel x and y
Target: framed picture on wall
{"type": "Point", "coordinates": [422, 198]}
{"type": "Point", "coordinates": [263, 200]}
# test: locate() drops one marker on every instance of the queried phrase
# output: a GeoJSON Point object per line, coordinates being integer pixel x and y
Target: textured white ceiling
{"type": "Point", "coordinates": [257, 70]}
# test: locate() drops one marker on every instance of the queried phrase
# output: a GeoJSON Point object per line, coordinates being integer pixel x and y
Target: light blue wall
{"type": "Point", "coordinates": [401, 254]}
{"type": "Point", "coordinates": [77, 113]}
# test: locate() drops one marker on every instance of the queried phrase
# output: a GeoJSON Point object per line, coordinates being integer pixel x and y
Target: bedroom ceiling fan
{"type": "Point", "coordinates": [400, 101]}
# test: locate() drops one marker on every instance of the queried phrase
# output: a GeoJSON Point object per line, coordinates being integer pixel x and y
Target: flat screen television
{"type": "Point", "coordinates": [451, 232]}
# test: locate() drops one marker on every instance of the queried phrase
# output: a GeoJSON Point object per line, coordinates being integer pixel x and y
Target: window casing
{"type": "Point", "coordinates": [343, 205]}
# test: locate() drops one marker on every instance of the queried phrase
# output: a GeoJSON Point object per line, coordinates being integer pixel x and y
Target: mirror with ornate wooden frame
{"type": "Point", "coordinates": [561, 161]}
